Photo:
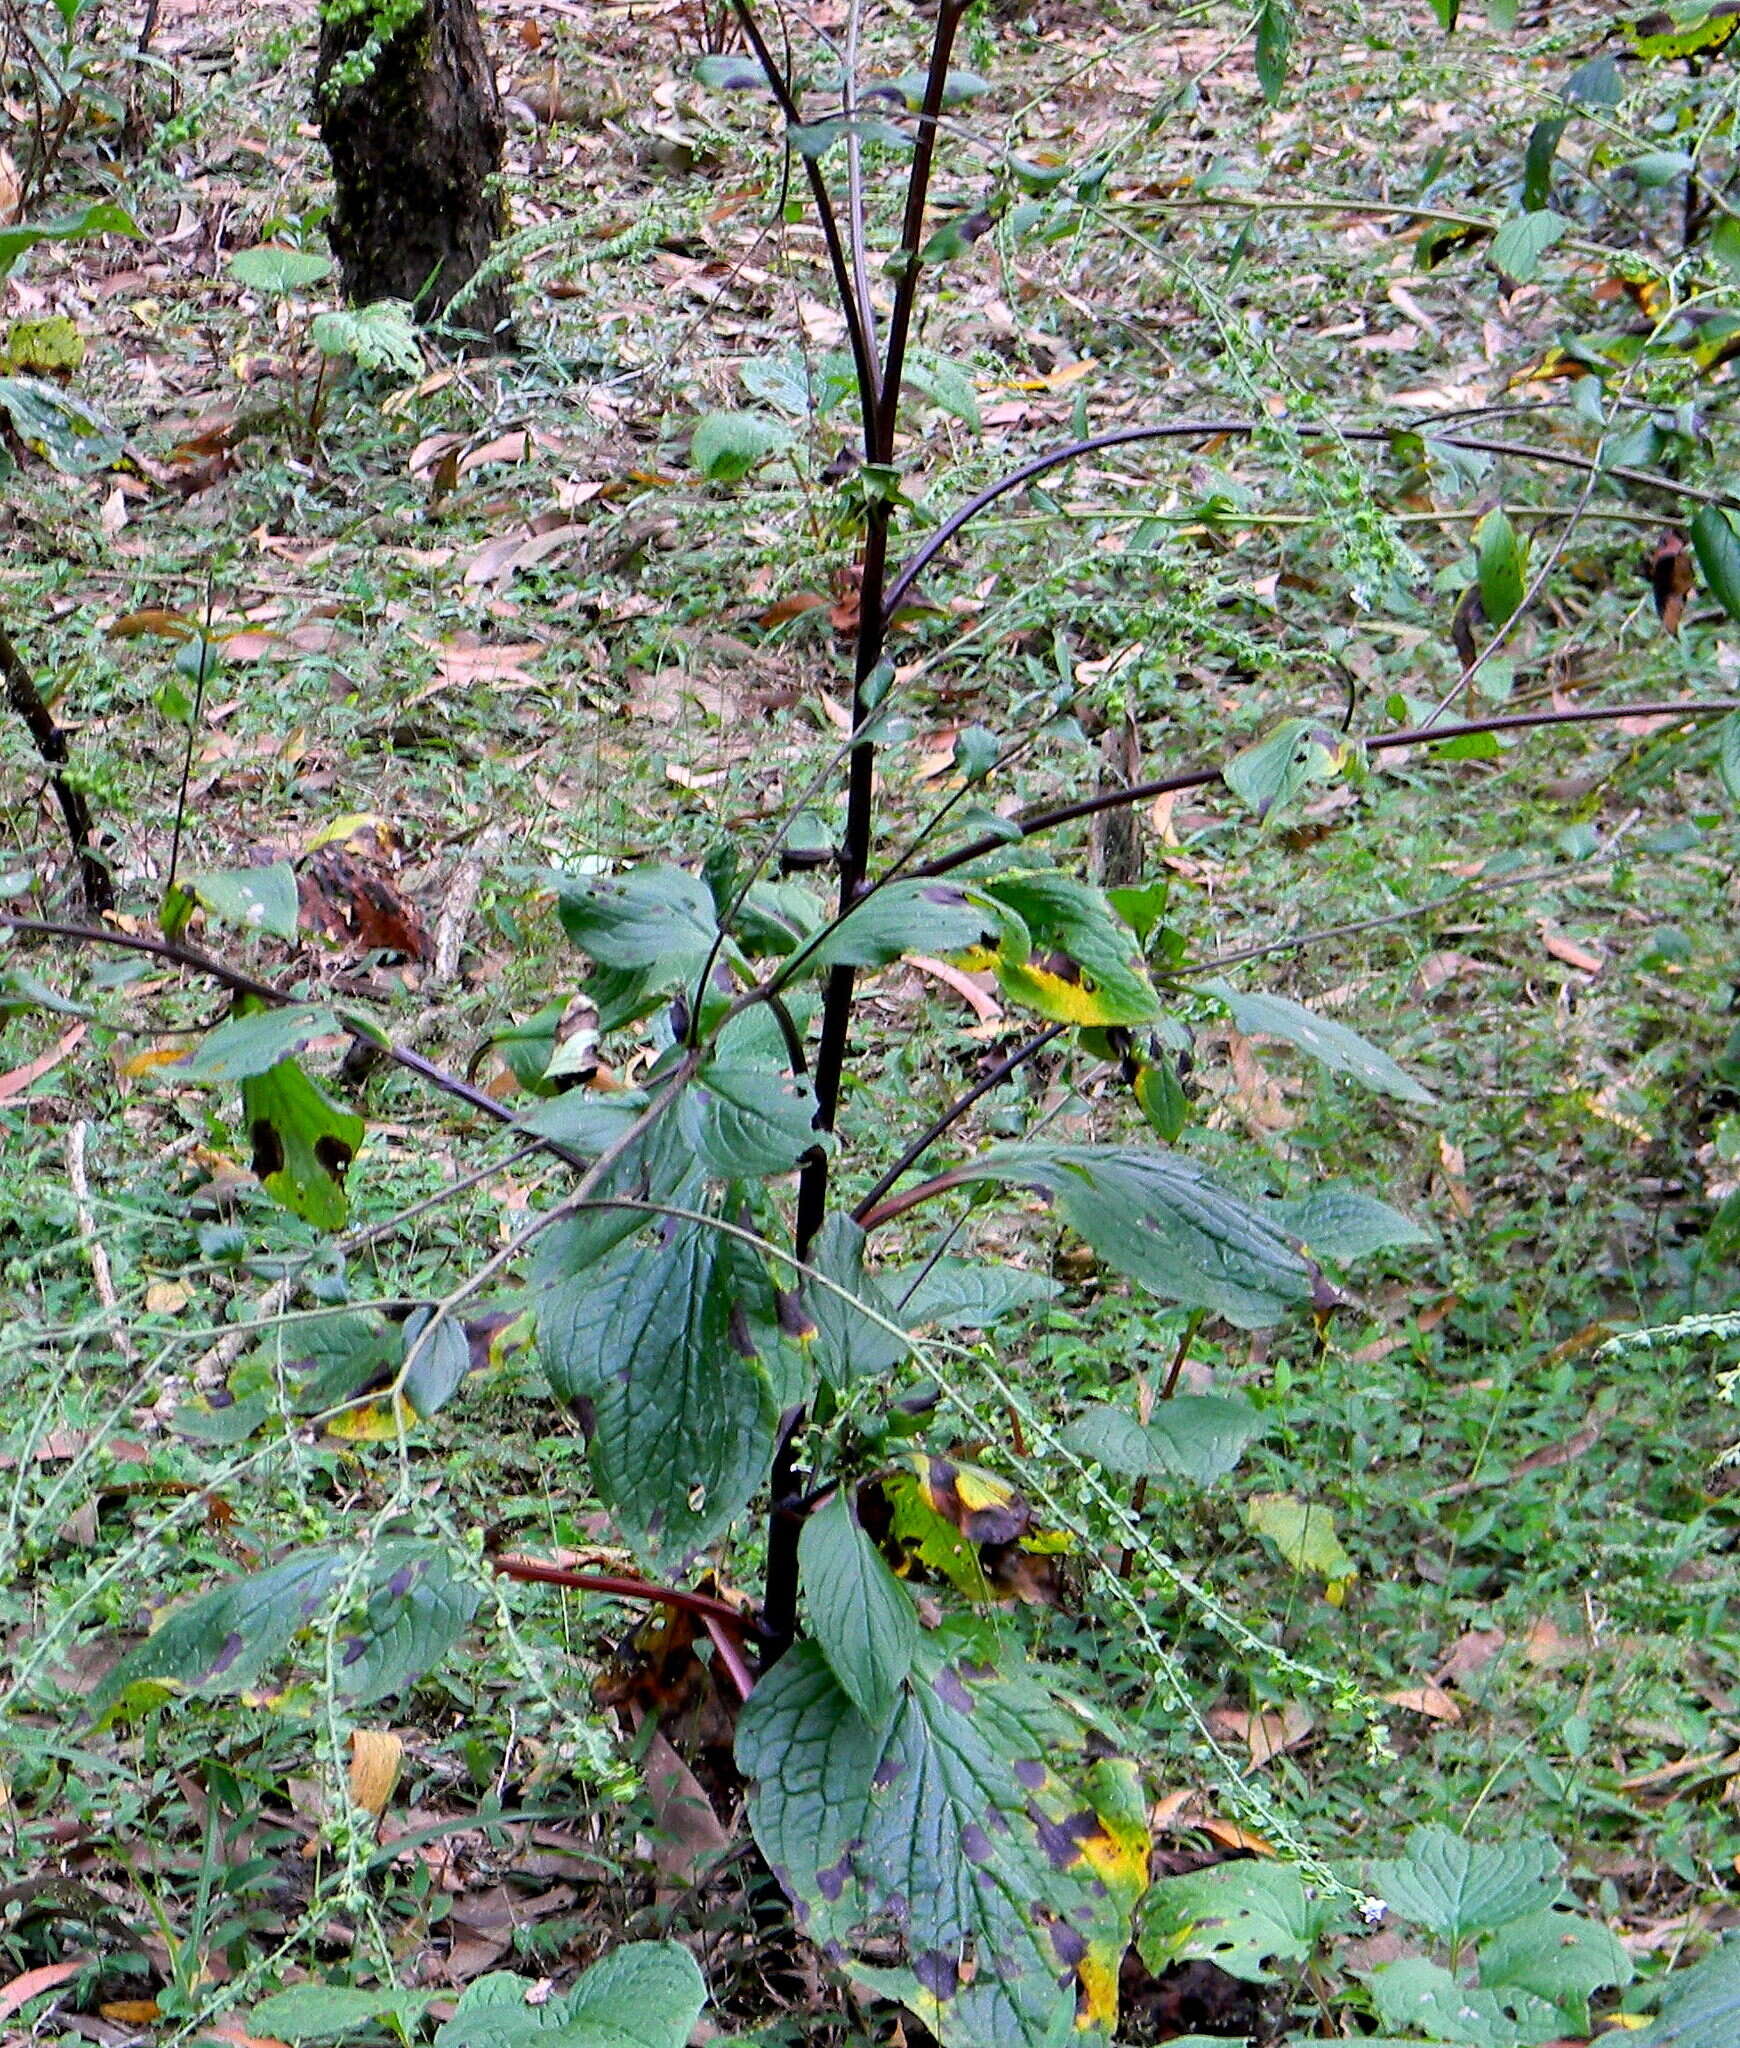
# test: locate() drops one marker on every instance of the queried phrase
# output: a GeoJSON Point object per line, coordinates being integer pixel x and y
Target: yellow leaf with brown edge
{"type": "Point", "coordinates": [374, 1422]}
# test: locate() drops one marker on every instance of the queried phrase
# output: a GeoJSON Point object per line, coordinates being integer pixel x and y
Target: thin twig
{"type": "Point", "coordinates": [102, 1280]}
{"type": "Point", "coordinates": [25, 698]}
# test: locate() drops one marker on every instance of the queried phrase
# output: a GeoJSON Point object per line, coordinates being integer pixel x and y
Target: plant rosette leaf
{"type": "Point", "coordinates": [249, 899]}
{"type": "Point", "coordinates": [646, 1994]}
{"type": "Point", "coordinates": [333, 2012]}
{"type": "Point", "coordinates": [1417, 1993]}
{"type": "Point", "coordinates": [1333, 1045]}
{"type": "Point", "coordinates": [278, 271]}
{"type": "Point", "coordinates": [1456, 1888]}
{"type": "Point", "coordinates": [1242, 1917]}
{"type": "Point", "coordinates": [1564, 1958]}
{"type": "Point", "coordinates": [657, 1349]}
{"type": "Point", "coordinates": [969, 1831]}
{"type": "Point", "coordinates": [1199, 1437]}
{"type": "Point", "coordinates": [1701, 2006]}
{"type": "Point", "coordinates": [863, 1618]}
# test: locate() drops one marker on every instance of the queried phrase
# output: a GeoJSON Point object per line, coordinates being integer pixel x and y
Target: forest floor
{"type": "Point", "coordinates": [487, 621]}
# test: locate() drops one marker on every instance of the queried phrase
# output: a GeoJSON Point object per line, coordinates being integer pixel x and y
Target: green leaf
{"type": "Point", "coordinates": [1167, 1223]}
{"type": "Point", "coordinates": [1520, 244]}
{"type": "Point", "coordinates": [223, 1640]}
{"type": "Point", "coordinates": [1304, 1533]}
{"type": "Point", "coordinates": [416, 1609]}
{"type": "Point", "coordinates": [381, 336]}
{"type": "Point", "coordinates": [303, 1143]}
{"type": "Point", "coordinates": [1716, 541]}
{"type": "Point", "coordinates": [945, 384]}
{"type": "Point", "coordinates": [646, 1994]}
{"type": "Point", "coordinates": [1701, 2006]}
{"type": "Point", "coordinates": [105, 218]}
{"type": "Point", "coordinates": [958, 1294]}
{"type": "Point", "coordinates": [1345, 1224]}
{"type": "Point", "coordinates": [654, 1348]}
{"type": "Point", "coordinates": [1199, 1437]}
{"type": "Point", "coordinates": [849, 1343]}
{"type": "Point", "coordinates": [970, 1823]}
{"type": "Point", "coordinates": [748, 1122]}
{"type": "Point", "coordinates": [1239, 1916]}
{"type": "Point", "coordinates": [1342, 1051]}
{"type": "Point", "coordinates": [1502, 567]}
{"type": "Point", "coordinates": [1454, 1888]}
{"type": "Point", "coordinates": [653, 921]}
{"type": "Point", "coordinates": [1544, 140]}
{"type": "Point", "coordinates": [1142, 906]}
{"type": "Point", "coordinates": [330, 2012]}
{"type": "Point", "coordinates": [1066, 954]}
{"type": "Point", "coordinates": [1728, 754]}
{"type": "Point", "coordinates": [252, 1044]}
{"type": "Point", "coordinates": [272, 268]}
{"type": "Point", "coordinates": [958, 88]}
{"type": "Point", "coordinates": [1417, 1993]}
{"type": "Point", "coordinates": [813, 139]}
{"type": "Point", "coordinates": [862, 1616]}
{"type": "Point", "coordinates": [1274, 42]}
{"type": "Point", "coordinates": [905, 917]}
{"type": "Point", "coordinates": [1561, 1957]}
{"type": "Point", "coordinates": [1161, 1098]}
{"type": "Point", "coordinates": [731, 74]}
{"type": "Point", "coordinates": [584, 1122]}
{"type": "Point", "coordinates": [1299, 752]}
{"type": "Point", "coordinates": [438, 1366]}
{"type": "Point", "coordinates": [250, 899]}
{"type": "Point", "coordinates": [726, 446]}
{"type": "Point", "coordinates": [61, 428]}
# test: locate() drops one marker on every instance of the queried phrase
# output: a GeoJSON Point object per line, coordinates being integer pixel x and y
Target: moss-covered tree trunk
{"type": "Point", "coordinates": [413, 124]}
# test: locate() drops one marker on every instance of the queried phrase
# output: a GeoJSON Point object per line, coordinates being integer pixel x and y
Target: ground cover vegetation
{"type": "Point", "coordinates": [871, 1132]}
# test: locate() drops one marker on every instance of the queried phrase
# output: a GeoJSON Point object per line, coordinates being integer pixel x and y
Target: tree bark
{"type": "Point", "coordinates": [415, 146]}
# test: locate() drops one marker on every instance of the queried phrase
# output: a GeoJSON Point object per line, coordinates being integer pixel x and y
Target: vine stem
{"type": "Point", "coordinates": [1037, 822]}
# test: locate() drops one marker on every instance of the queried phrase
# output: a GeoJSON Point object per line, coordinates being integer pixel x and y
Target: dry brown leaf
{"type": "Point", "coordinates": [1567, 949]}
{"type": "Point", "coordinates": [1468, 1655]}
{"type": "Point", "coordinates": [34, 1983]}
{"type": "Point", "coordinates": [503, 663]}
{"type": "Point", "coordinates": [514, 447]}
{"type": "Point", "coordinates": [11, 190]}
{"type": "Point", "coordinates": [1428, 1699]}
{"type": "Point", "coordinates": [1266, 1736]}
{"type": "Point", "coordinates": [20, 1078]}
{"type": "Point", "coordinates": [1547, 1647]}
{"type": "Point", "coordinates": [376, 1758]}
{"type": "Point", "coordinates": [1230, 1835]}
{"type": "Point", "coordinates": [166, 1297]}
{"type": "Point", "coordinates": [976, 997]}
{"type": "Point", "coordinates": [1453, 1165]}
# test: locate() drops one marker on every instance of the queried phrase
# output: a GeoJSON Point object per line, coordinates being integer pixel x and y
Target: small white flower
{"type": "Point", "coordinates": [1373, 1912]}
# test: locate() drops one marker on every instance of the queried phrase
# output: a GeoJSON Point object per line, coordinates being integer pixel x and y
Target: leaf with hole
{"type": "Point", "coordinates": [972, 1821]}
{"type": "Point", "coordinates": [303, 1143]}
{"type": "Point", "coordinates": [1417, 1993]}
{"type": "Point", "coordinates": [1242, 1917]}
{"type": "Point", "coordinates": [1259, 1015]}
{"type": "Point", "coordinates": [1563, 1958]}
{"type": "Point", "coordinates": [249, 899]}
{"type": "Point", "coordinates": [1298, 753]}
{"type": "Point", "coordinates": [861, 1614]}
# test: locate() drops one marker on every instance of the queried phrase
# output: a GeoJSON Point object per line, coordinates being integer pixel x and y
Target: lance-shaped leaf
{"type": "Point", "coordinates": [1502, 564]}
{"type": "Point", "coordinates": [1716, 540]}
{"type": "Point", "coordinates": [968, 1832]}
{"type": "Point", "coordinates": [1346, 1224]}
{"type": "Point", "coordinates": [415, 1610]}
{"type": "Point", "coordinates": [851, 1340]}
{"type": "Point", "coordinates": [657, 1349]}
{"type": "Point", "coordinates": [957, 1294]}
{"type": "Point", "coordinates": [1065, 953]}
{"type": "Point", "coordinates": [862, 1615]}
{"type": "Point", "coordinates": [906, 917]}
{"type": "Point", "coordinates": [1342, 1051]}
{"type": "Point", "coordinates": [646, 1994]}
{"type": "Point", "coordinates": [1168, 1224]}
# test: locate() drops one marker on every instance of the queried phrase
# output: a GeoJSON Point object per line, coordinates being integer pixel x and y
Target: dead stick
{"type": "Point", "coordinates": [26, 699]}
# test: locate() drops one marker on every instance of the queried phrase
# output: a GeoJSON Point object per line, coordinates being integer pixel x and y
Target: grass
{"type": "Point", "coordinates": [1538, 1526]}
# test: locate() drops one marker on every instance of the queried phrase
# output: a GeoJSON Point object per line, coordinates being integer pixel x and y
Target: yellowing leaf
{"type": "Point", "coordinates": [1304, 1534]}
{"type": "Point", "coordinates": [376, 1757]}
